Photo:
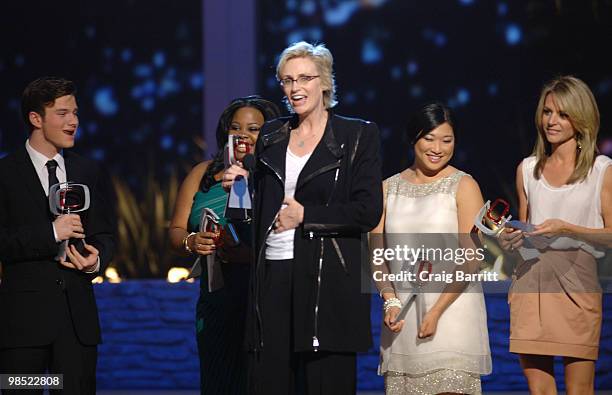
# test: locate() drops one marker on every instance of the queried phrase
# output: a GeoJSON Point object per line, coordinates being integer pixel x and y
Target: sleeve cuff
{"type": "Point", "coordinates": [96, 268]}
{"type": "Point", "coordinates": [55, 233]}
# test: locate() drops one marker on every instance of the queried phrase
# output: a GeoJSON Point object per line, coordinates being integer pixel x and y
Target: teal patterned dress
{"type": "Point", "coordinates": [220, 315]}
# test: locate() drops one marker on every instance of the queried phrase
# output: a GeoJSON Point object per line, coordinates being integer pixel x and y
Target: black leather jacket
{"type": "Point", "coordinates": [340, 189]}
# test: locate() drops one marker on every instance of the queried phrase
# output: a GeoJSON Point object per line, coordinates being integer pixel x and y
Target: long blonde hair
{"type": "Point", "coordinates": [573, 97]}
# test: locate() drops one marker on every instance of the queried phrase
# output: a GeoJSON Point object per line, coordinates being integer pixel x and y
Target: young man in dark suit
{"type": "Point", "coordinates": [48, 314]}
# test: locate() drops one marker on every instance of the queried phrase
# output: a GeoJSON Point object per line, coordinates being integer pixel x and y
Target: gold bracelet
{"type": "Point", "coordinates": [186, 244]}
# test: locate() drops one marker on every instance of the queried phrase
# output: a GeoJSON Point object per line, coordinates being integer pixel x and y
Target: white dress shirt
{"type": "Point", "coordinates": [40, 165]}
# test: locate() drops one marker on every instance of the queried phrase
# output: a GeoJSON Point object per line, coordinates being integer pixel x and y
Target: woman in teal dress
{"type": "Point", "coordinates": [220, 314]}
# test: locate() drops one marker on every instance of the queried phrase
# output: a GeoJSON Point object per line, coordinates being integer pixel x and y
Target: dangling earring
{"type": "Point", "coordinates": [578, 143]}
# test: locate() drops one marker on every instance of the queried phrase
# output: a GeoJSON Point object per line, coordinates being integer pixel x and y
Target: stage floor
{"type": "Point", "coordinates": [132, 392]}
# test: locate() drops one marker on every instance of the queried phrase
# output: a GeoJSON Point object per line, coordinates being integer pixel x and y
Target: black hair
{"type": "Point", "coordinates": [269, 111]}
{"type": "Point", "coordinates": [42, 93]}
{"type": "Point", "coordinates": [426, 119]}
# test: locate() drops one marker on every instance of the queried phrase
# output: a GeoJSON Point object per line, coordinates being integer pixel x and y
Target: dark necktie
{"type": "Point", "coordinates": [51, 167]}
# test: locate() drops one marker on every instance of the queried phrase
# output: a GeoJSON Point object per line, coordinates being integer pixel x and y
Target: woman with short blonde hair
{"type": "Point", "coordinates": [322, 58]}
{"type": "Point", "coordinates": [317, 182]}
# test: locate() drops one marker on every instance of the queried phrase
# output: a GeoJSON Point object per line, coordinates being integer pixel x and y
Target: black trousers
{"type": "Point", "coordinates": [277, 369]}
{"type": "Point", "coordinates": [66, 355]}
{"type": "Point", "coordinates": [221, 316]}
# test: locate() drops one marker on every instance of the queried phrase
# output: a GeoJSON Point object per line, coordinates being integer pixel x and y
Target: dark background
{"type": "Point", "coordinates": [486, 59]}
{"type": "Point", "coordinates": [138, 68]}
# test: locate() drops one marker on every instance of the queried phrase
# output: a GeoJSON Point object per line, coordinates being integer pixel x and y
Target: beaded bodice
{"type": "Point", "coordinates": [399, 186]}
{"type": "Point", "coordinates": [422, 208]}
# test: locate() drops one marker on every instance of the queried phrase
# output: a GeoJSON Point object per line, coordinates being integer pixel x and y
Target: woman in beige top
{"type": "Point", "coordinates": [564, 189]}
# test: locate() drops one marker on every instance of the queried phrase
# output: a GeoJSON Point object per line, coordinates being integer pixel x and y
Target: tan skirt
{"type": "Point", "coordinates": [555, 306]}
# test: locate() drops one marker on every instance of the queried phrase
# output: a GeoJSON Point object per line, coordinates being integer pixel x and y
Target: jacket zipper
{"type": "Point", "coordinates": [322, 170]}
{"type": "Point", "coordinates": [257, 311]}
{"type": "Point", "coordinates": [336, 246]}
{"type": "Point", "coordinates": [339, 253]}
{"type": "Point", "coordinates": [315, 338]}
{"type": "Point", "coordinates": [274, 170]}
{"type": "Point", "coordinates": [257, 268]}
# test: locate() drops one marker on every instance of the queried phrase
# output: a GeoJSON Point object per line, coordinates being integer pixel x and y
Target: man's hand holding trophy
{"type": "Point", "coordinates": [66, 201]}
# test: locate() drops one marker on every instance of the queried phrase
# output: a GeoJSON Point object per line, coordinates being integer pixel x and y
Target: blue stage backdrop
{"type": "Point", "coordinates": [149, 340]}
{"type": "Point", "coordinates": [486, 59]}
{"type": "Point", "coordinates": [138, 70]}
{"type": "Point", "coordinates": [138, 67]}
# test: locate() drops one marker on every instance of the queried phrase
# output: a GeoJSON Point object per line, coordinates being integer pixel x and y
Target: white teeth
{"type": "Point", "coordinates": [297, 97]}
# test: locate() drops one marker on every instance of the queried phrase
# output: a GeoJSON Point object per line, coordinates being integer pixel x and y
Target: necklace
{"type": "Point", "coordinates": [302, 140]}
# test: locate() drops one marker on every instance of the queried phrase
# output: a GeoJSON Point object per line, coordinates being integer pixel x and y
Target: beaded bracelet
{"type": "Point", "coordinates": [391, 302]}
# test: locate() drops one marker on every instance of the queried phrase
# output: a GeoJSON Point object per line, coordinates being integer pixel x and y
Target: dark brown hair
{"type": "Point", "coordinates": [42, 93]}
{"type": "Point", "coordinates": [269, 111]}
{"type": "Point", "coordinates": [426, 119]}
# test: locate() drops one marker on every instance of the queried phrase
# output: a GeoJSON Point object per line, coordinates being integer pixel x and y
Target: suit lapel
{"type": "Point", "coordinates": [29, 177]}
{"type": "Point", "coordinates": [78, 175]}
{"type": "Point", "coordinates": [73, 173]}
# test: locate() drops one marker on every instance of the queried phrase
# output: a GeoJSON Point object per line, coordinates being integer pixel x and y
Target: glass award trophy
{"type": "Point", "coordinates": [210, 222]}
{"type": "Point", "coordinates": [239, 199]}
{"type": "Point", "coordinates": [416, 296]}
{"type": "Point", "coordinates": [69, 198]}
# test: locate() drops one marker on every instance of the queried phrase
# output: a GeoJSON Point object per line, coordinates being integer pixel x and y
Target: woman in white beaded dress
{"type": "Point", "coordinates": [448, 349]}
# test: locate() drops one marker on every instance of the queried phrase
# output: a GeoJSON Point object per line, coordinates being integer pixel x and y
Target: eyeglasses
{"type": "Point", "coordinates": [301, 80]}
